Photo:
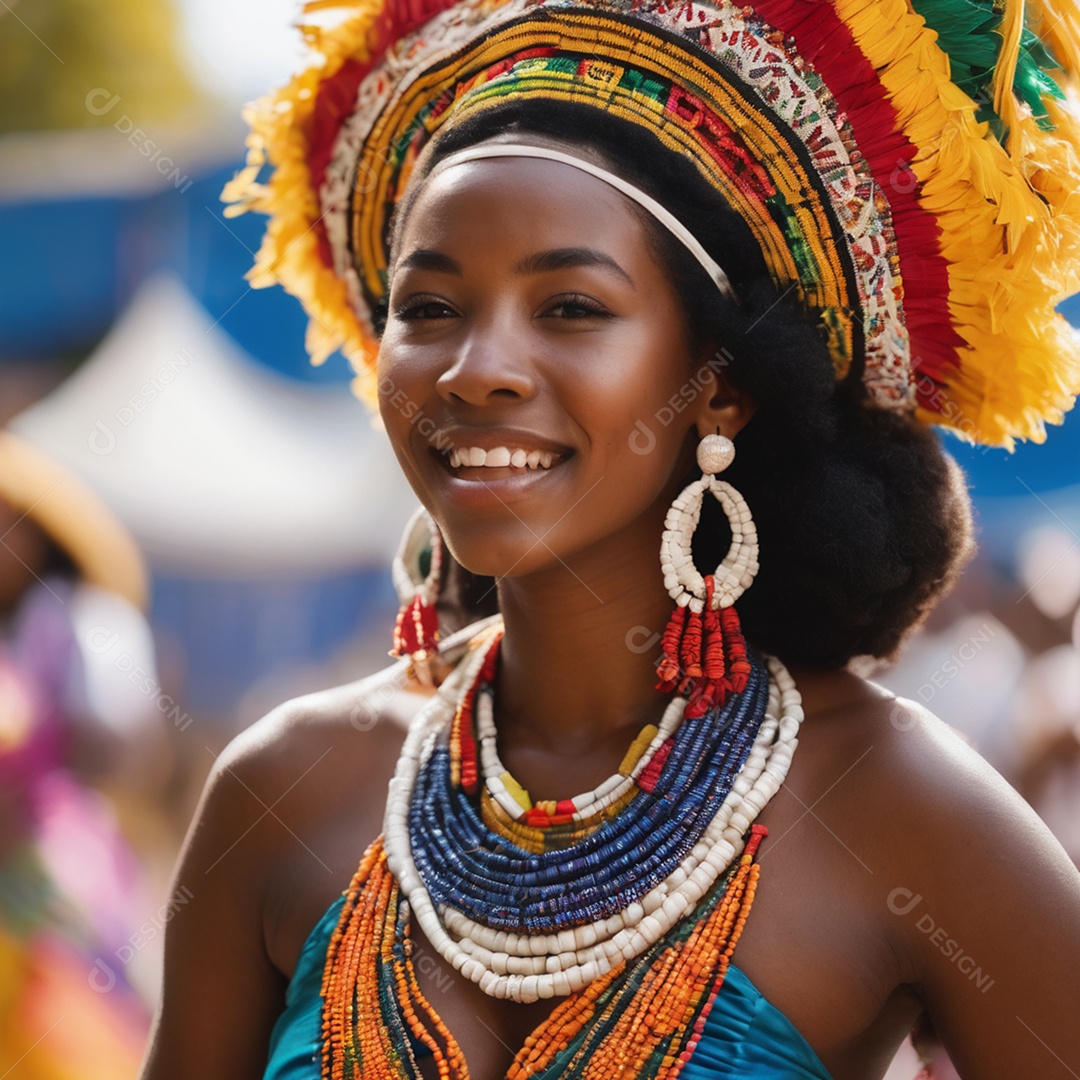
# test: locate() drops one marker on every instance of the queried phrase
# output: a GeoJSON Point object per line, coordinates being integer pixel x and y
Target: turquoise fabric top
{"type": "Point", "coordinates": [744, 1035]}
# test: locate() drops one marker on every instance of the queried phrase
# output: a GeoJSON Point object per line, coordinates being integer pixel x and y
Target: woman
{"type": "Point", "coordinates": [575, 328]}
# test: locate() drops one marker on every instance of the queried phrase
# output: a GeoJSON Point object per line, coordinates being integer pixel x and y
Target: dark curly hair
{"type": "Point", "coordinates": [863, 520]}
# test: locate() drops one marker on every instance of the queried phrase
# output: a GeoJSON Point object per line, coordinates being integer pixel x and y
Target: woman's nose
{"type": "Point", "coordinates": [490, 364]}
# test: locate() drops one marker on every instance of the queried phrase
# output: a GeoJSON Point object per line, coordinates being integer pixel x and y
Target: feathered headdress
{"type": "Point", "coordinates": [910, 167]}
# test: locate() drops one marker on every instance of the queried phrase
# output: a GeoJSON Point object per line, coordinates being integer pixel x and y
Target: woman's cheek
{"type": "Point", "coordinates": [401, 384]}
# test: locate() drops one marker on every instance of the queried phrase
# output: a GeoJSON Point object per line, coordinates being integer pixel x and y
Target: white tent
{"type": "Point", "coordinates": [220, 467]}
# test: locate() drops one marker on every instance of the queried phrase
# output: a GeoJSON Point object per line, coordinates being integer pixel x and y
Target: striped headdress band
{"type": "Point", "coordinates": [909, 168]}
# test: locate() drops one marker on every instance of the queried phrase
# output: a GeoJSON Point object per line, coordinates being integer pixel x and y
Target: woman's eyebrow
{"type": "Point", "coordinates": [561, 258]}
{"type": "Point", "coordinates": [425, 259]}
{"type": "Point", "coordinates": [538, 263]}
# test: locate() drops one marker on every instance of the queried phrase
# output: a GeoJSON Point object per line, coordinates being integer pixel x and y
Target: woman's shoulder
{"type": "Point", "coordinates": [980, 900]}
{"type": "Point", "coordinates": [927, 785]}
{"type": "Point", "coordinates": [895, 756]}
{"type": "Point", "coordinates": [285, 815]}
{"type": "Point", "coordinates": [301, 793]}
{"type": "Point", "coordinates": [371, 710]}
{"type": "Point", "coordinates": [898, 868]}
{"type": "Point", "coordinates": [912, 788]}
{"type": "Point", "coordinates": [958, 828]}
{"type": "Point", "coordinates": [342, 734]}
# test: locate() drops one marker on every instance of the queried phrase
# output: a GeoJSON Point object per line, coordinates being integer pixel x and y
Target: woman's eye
{"type": "Point", "coordinates": [577, 307]}
{"type": "Point", "coordinates": [424, 308]}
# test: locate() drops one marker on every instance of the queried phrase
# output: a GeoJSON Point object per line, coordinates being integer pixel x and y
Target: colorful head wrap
{"type": "Point", "coordinates": [910, 168]}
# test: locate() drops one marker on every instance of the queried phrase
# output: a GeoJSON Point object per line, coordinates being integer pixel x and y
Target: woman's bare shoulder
{"type": "Point", "coordinates": [285, 814]}
{"type": "Point", "coordinates": [311, 760]}
{"type": "Point", "coordinates": [978, 899]}
{"type": "Point", "coordinates": [369, 714]}
{"type": "Point", "coordinates": [903, 871]}
{"type": "Point", "coordinates": [917, 796]}
{"type": "Point", "coordinates": [934, 785]}
{"type": "Point", "coordinates": [899, 765]}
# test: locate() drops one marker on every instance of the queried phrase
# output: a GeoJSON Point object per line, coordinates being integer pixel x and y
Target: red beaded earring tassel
{"type": "Point", "coordinates": [416, 630]}
{"type": "Point", "coordinates": [703, 655]}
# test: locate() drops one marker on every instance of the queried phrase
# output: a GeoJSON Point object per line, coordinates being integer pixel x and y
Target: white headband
{"type": "Point", "coordinates": [664, 216]}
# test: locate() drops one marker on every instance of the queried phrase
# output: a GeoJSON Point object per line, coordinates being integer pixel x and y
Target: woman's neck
{"type": "Point", "coordinates": [578, 660]}
{"type": "Point", "coordinates": [577, 665]}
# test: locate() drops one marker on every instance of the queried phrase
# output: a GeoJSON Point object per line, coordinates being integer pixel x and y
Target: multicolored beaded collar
{"type": "Point", "coordinates": [627, 901]}
{"type": "Point", "coordinates": [909, 170]}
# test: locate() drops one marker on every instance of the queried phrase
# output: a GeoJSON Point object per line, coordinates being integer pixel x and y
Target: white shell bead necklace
{"type": "Point", "coordinates": [588, 803]}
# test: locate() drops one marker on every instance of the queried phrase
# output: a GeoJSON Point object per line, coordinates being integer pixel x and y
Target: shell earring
{"type": "Point", "coordinates": [417, 571]}
{"type": "Point", "coordinates": [704, 651]}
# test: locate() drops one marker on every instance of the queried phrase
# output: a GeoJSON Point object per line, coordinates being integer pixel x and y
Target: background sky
{"type": "Point", "coordinates": [238, 49]}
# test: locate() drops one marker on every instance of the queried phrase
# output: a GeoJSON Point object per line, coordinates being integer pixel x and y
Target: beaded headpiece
{"type": "Point", "coordinates": [909, 169]}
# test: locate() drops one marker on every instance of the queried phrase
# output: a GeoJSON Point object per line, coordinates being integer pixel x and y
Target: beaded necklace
{"type": "Point", "coordinates": [626, 902]}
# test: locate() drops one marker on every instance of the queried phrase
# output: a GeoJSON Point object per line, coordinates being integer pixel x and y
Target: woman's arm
{"type": "Point", "coordinates": [221, 994]}
{"type": "Point", "coordinates": [283, 822]}
{"type": "Point", "coordinates": [988, 906]}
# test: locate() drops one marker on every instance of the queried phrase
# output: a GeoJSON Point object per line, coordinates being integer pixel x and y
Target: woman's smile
{"type": "Point", "coordinates": [500, 457]}
{"type": "Point", "coordinates": [479, 475]}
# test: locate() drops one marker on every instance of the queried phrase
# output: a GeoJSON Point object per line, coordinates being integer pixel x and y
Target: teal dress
{"type": "Point", "coordinates": [744, 1035]}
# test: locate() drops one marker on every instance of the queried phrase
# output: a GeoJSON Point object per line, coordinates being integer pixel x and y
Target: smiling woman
{"type": "Point", "coordinates": [627, 280]}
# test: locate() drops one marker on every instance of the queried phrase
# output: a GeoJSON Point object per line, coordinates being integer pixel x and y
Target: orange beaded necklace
{"type": "Point", "coordinates": [643, 1018]}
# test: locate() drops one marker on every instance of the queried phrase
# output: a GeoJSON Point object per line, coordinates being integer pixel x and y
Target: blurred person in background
{"type": "Point", "coordinates": [72, 635]}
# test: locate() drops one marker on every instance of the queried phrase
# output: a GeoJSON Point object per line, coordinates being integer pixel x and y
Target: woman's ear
{"type": "Point", "coordinates": [721, 406]}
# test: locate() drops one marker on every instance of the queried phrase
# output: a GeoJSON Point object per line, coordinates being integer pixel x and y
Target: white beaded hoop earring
{"type": "Point", "coordinates": [704, 652]}
{"type": "Point", "coordinates": [416, 632]}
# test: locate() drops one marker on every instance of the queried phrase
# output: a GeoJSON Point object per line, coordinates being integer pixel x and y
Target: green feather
{"type": "Point", "coordinates": [967, 32]}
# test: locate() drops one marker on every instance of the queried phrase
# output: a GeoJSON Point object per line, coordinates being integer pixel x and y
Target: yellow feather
{"type": "Point", "coordinates": [1006, 104]}
{"type": "Point", "coordinates": [1057, 22]}
{"type": "Point", "coordinates": [1010, 225]}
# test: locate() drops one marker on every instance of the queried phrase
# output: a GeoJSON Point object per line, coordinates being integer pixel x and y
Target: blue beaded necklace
{"type": "Point", "coordinates": [478, 871]}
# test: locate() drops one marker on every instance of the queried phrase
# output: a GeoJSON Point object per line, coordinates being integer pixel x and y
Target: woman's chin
{"type": "Point", "coordinates": [486, 560]}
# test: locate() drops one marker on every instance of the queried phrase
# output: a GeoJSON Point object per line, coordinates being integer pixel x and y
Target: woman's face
{"type": "Point", "coordinates": [528, 315]}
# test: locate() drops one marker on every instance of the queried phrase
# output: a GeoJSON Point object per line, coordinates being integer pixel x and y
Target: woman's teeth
{"type": "Point", "coordinates": [500, 457]}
